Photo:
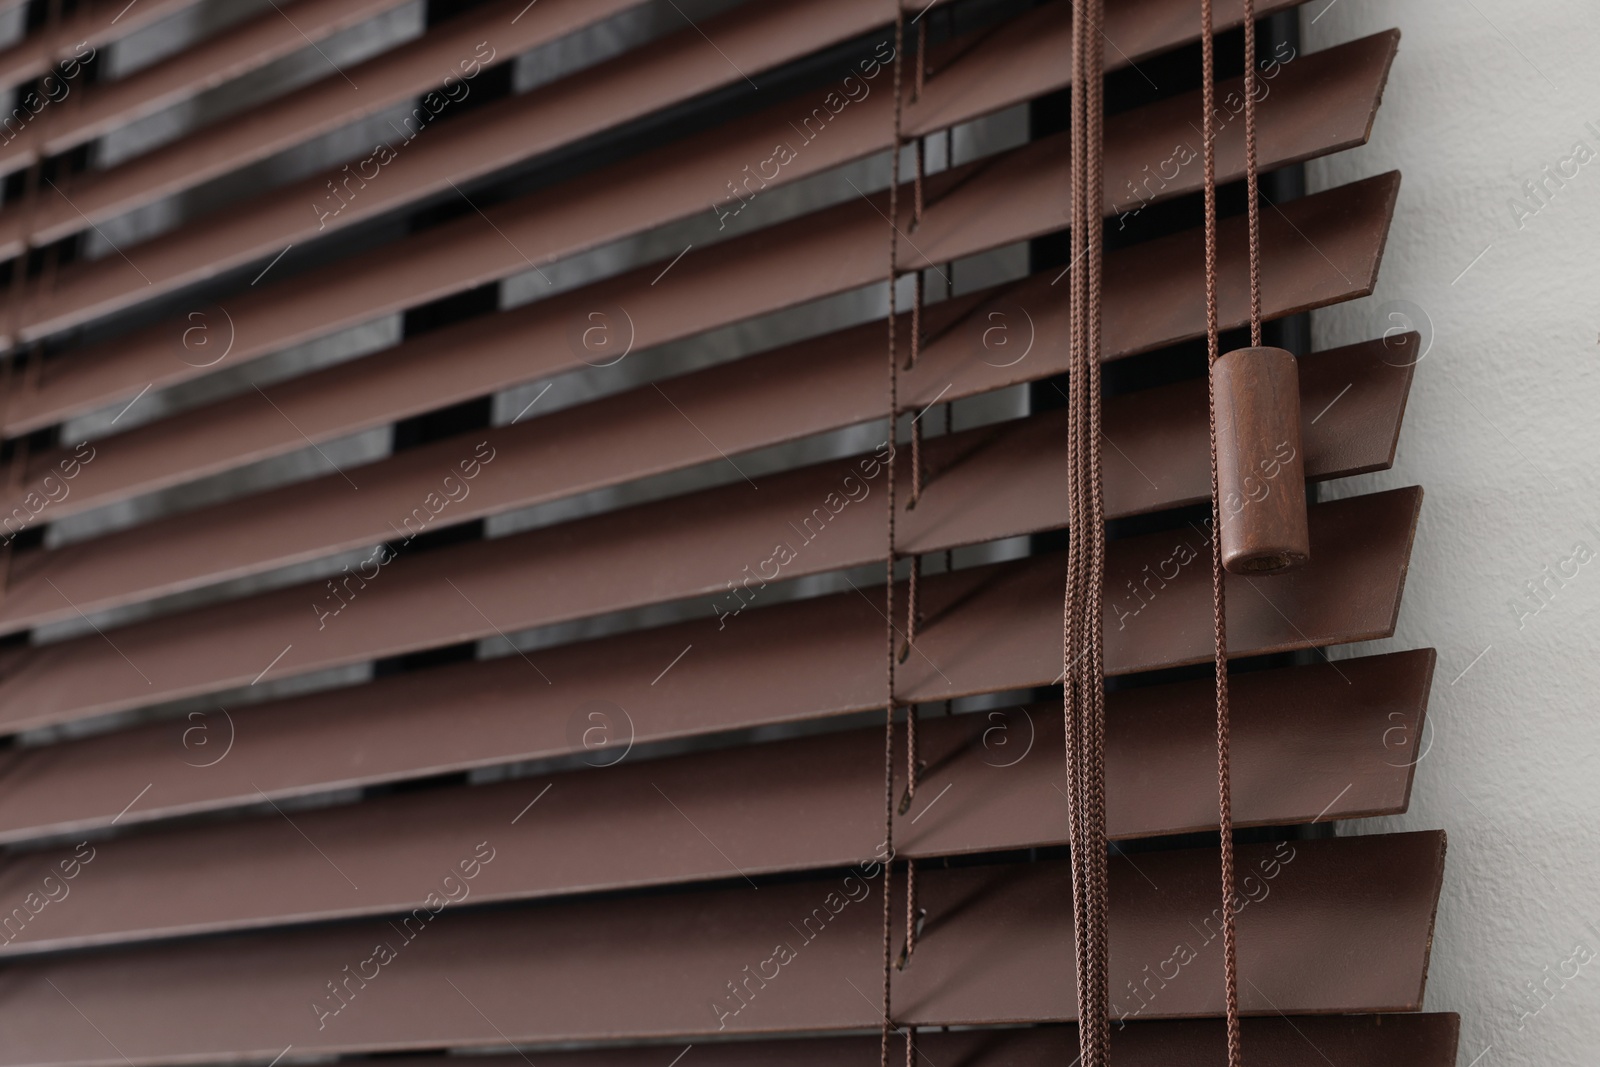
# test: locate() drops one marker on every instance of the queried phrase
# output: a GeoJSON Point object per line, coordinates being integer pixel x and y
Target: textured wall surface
{"type": "Point", "coordinates": [1500, 258]}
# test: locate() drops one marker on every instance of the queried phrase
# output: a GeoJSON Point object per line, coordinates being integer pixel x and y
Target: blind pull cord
{"type": "Point", "coordinates": [1254, 426]}
{"type": "Point", "coordinates": [1083, 674]}
{"type": "Point", "coordinates": [1255, 391]}
{"type": "Point", "coordinates": [1230, 974]}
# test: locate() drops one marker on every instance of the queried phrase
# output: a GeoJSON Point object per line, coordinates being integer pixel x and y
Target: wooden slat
{"type": "Point", "coordinates": [458, 718]}
{"type": "Point", "coordinates": [1339, 925]}
{"type": "Point", "coordinates": [1307, 746]}
{"type": "Point", "coordinates": [980, 213]}
{"type": "Point", "coordinates": [1326, 248]}
{"type": "Point", "coordinates": [1159, 461]}
{"type": "Point", "coordinates": [1361, 547]}
{"type": "Point", "coordinates": [1307, 1041]}
{"type": "Point", "coordinates": [992, 70]}
{"type": "Point", "coordinates": [246, 46]}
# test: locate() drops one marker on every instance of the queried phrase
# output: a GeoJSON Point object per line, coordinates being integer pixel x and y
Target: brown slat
{"type": "Point", "coordinates": [995, 69]}
{"type": "Point", "coordinates": [97, 24]}
{"type": "Point", "coordinates": [1351, 593]}
{"type": "Point", "coordinates": [1326, 248]}
{"type": "Point", "coordinates": [1342, 926]}
{"type": "Point", "coordinates": [989, 209]}
{"type": "Point", "coordinates": [324, 105]}
{"type": "Point", "coordinates": [1353, 587]}
{"type": "Point", "coordinates": [1159, 460]}
{"type": "Point", "coordinates": [1349, 1041]}
{"type": "Point", "coordinates": [241, 48]}
{"type": "Point", "coordinates": [1356, 1041]}
{"type": "Point", "coordinates": [1307, 746]}
{"type": "Point", "coordinates": [462, 717]}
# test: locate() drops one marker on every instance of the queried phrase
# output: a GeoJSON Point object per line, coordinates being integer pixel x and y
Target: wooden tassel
{"type": "Point", "coordinates": [1261, 477]}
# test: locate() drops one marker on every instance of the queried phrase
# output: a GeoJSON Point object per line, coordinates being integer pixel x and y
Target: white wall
{"type": "Point", "coordinates": [1503, 432]}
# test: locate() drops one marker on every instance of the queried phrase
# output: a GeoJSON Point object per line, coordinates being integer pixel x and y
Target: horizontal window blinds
{"type": "Point", "coordinates": [541, 728]}
{"type": "Point", "coordinates": [983, 75]}
{"type": "Point", "coordinates": [324, 516]}
{"type": "Point", "coordinates": [260, 872]}
{"type": "Point", "coordinates": [1345, 227]}
{"type": "Point", "coordinates": [280, 315]}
